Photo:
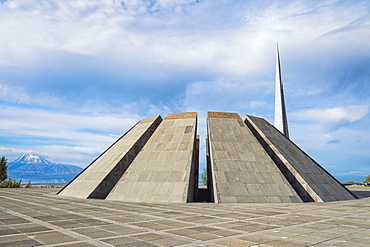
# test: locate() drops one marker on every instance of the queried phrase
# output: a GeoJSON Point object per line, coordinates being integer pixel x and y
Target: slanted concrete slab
{"type": "Point", "coordinates": [166, 168]}
{"type": "Point", "coordinates": [242, 171]}
{"type": "Point", "coordinates": [98, 179]}
{"type": "Point", "coordinates": [310, 180]}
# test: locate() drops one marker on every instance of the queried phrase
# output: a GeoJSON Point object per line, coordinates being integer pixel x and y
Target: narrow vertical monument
{"type": "Point", "coordinates": [281, 122]}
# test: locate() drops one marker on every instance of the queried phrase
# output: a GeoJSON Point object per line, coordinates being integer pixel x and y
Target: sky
{"type": "Point", "coordinates": [77, 74]}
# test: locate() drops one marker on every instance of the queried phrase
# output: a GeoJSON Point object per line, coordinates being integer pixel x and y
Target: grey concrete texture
{"type": "Point", "coordinates": [242, 171]}
{"type": "Point", "coordinates": [37, 217]}
{"type": "Point", "coordinates": [166, 168]}
{"type": "Point", "coordinates": [98, 179]}
{"type": "Point", "coordinates": [311, 181]}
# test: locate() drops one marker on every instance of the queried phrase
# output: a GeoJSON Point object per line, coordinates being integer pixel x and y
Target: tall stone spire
{"type": "Point", "coordinates": [281, 122]}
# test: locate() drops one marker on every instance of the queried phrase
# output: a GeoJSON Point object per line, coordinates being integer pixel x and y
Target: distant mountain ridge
{"type": "Point", "coordinates": [37, 169]}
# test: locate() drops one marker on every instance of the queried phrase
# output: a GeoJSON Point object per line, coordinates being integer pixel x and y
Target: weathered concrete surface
{"type": "Point", "coordinates": [98, 179]}
{"type": "Point", "coordinates": [35, 217]}
{"type": "Point", "coordinates": [309, 179]}
{"type": "Point", "coordinates": [242, 171]}
{"type": "Point", "coordinates": [165, 169]}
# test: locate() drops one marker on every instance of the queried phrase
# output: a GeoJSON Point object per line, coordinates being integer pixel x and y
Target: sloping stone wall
{"type": "Point", "coordinates": [242, 171]}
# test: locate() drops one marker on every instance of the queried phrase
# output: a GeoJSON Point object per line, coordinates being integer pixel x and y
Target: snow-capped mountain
{"type": "Point", "coordinates": [37, 169]}
{"type": "Point", "coordinates": [27, 159]}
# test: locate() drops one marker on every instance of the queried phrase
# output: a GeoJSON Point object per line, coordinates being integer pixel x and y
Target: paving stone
{"type": "Point", "coordinates": [46, 234]}
{"type": "Point", "coordinates": [121, 229]}
{"type": "Point", "coordinates": [202, 229]}
{"type": "Point", "coordinates": [181, 224]}
{"type": "Point", "coordinates": [318, 226]}
{"type": "Point", "coordinates": [348, 244]}
{"type": "Point", "coordinates": [203, 236]}
{"type": "Point", "coordinates": [140, 244]}
{"type": "Point", "coordinates": [92, 222]}
{"type": "Point", "coordinates": [69, 216]}
{"type": "Point", "coordinates": [225, 233]}
{"type": "Point", "coordinates": [47, 218]}
{"type": "Point", "coordinates": [67, 224]}
{"type": "Point", "coordinates": [258, 238]}
{"type": "Point", "coordinates": [12, 238]}
{"type": "Point", "coordinates": [307, 239]}
{"type": "Point", "coordinates": [296, 230]}
{"type": "Point", "coordinates": [77, 245]}
{"type": "Point", "coordinates": [34, 229]}
{"type": "Point", "coordinates": [350, 222]}
{"type": "Point", "coordinates": [279, 233]}
{"type": "Point", "coordinates": [4, 232]}
{"type": "Point", "coordinates": [11, 221]}
{"type": "Point", "coordinates": [29, 242]}
{"type": "Point", "coordinates": [284, 243]}
{"type": "Point", "coordinates": [182, 232]}
{"type": "Point", "coordinates": [148, 236]}
{"type": "Point", "coordinates": [287, 222]}
{"type": "Point", "coordinates": [169, 242]}
{"type": "Point", "coordinates": [119, 241]}
{"type": "Point", "coordinates": [52, 237]}
{"type": "Point", "coordinates": [171, 223]}
{"type": "Point", "coordinates": [94, 232]}
{"type": "Point", "coordinates": [365, 241]}
{"type": "Point", "coordinates": [253, 227]}
{"type": "Point", "coordinates": [234, 243]}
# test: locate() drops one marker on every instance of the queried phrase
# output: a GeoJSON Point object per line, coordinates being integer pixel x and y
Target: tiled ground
{"type": "Point", "coordinates": [33, 217]}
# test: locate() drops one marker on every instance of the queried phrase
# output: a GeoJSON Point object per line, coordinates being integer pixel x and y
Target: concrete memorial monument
{"type": "Point", "coordinates": [250, 161]}
{"type": "Point", "coordinates": [166, 169]}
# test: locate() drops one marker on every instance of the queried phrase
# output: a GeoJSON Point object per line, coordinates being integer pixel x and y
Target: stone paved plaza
{"type": "Point", "coordinates": [33, 217]}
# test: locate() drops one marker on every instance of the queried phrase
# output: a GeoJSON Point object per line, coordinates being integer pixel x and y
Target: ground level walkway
{"type": "Point", "coordinates": [33, 217]}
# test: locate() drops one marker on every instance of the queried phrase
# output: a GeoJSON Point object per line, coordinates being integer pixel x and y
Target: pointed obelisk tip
{"type": "Point", "coordinates": [281, 122]}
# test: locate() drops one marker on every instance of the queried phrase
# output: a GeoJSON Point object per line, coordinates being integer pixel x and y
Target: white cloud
{"type": "Point", "coordinates": [64, 132]}
{"type": "Point", "coordinates": [27, 122]}
{"type": "Point", "coordinates": [357, 172]}
{"type": "Point", "coordinates": [257, 104]}
{"type": "Point", "coordinates": [66, 138]}
{"type": "Point", "coordinates": [95, 28]}
{"type": "Point", "coordinates": [331, 130]}
{"type": "Point", "coordinates": [20, 96]}
{"type": "Point", "coordinates": [74, 66]}
{"type": "Point", "coordinates": [332, 117]}
{"type": "Point", "coordinates": [225, 94]}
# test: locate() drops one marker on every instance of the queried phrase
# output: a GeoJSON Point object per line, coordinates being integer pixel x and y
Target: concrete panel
{"type": "Point", "coordinates": [171, 165]}
{"type": "Point", "coordinates": [241, 169]}
{"type": "Point", "coordinates": [98, 179]}
{"type": "Point", "coordinates": [309, 179]}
